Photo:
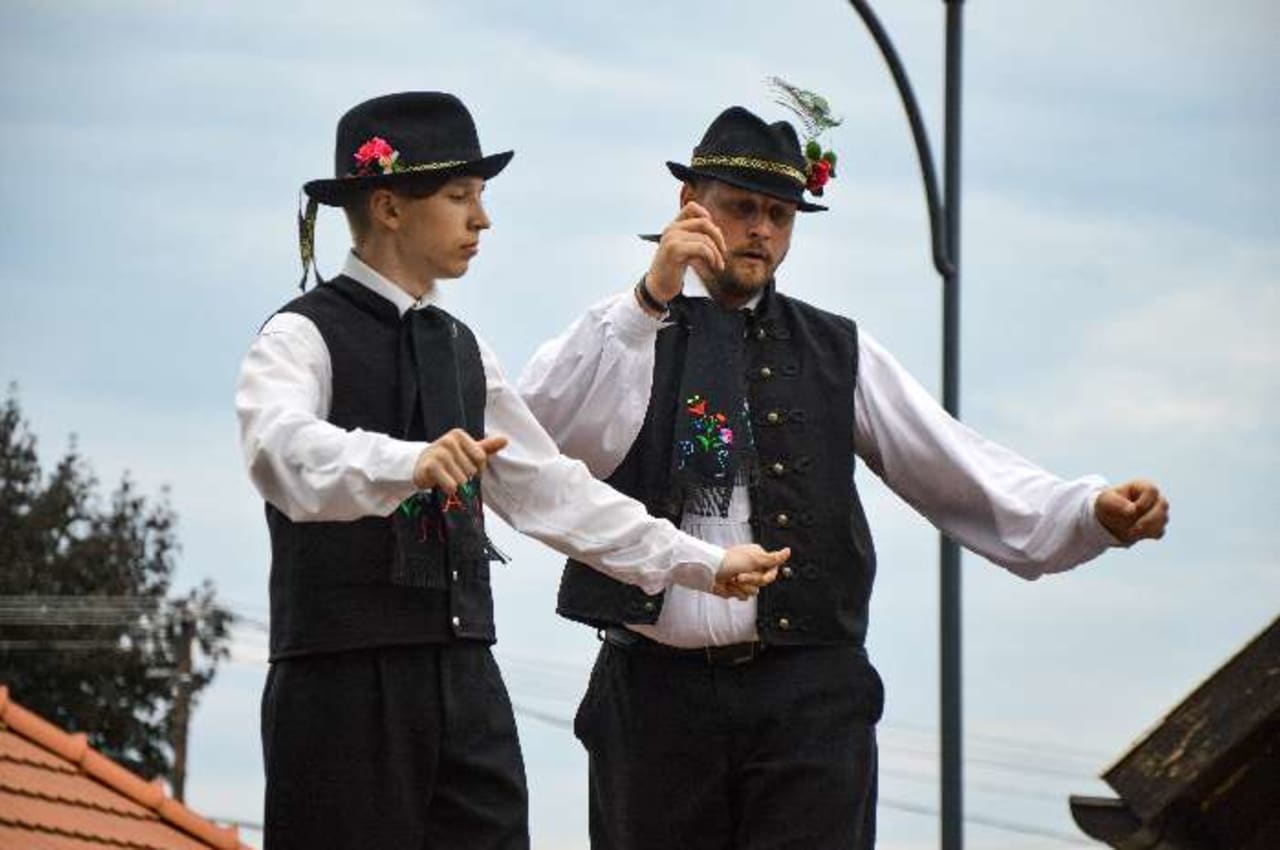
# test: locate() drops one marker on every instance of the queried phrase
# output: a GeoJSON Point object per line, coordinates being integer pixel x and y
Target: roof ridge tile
{"type": "Point", "coordinates": [75, 748]}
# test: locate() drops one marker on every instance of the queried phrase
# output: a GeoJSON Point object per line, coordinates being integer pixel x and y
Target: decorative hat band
{"type": "Point", "coordinates": [753, 163]}
{"type": "Point", "coordinates": [397, 168]}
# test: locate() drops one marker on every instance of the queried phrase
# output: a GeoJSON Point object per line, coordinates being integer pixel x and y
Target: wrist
{"type": "Point", "coordinates": [647, 301]}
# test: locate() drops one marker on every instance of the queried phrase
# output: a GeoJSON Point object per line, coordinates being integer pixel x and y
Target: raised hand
{"type": "Point", "coordinates": [454, 459]}
{"type": "Point", "coordinates": [1133, 511]}
{"type": "Point", "coordinates": [747, 568]}
{"type": "Point", "coordinates": [691, 238]}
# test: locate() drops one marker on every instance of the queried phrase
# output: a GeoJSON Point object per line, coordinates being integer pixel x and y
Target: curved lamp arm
{"type": "Point", "coordinates": [941, 254]}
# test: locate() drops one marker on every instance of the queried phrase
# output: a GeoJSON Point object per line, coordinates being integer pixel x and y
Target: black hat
{"type": "Point", "coordinates": [740, 149]}
{"type": "Point", "coordinates": [395, 138]}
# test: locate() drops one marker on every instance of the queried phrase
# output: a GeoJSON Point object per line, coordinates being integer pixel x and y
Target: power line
{"type": "Point", "coordinates": [990, 822]}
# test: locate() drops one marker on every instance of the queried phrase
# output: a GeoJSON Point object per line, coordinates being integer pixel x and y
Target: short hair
{"type": "Point", "coordinates": [410, 186]}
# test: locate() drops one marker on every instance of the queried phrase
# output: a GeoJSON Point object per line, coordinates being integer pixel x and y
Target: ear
{"type": "Point", "coordinates": [688, 192]}
{"type": "Point", "coordinates": [384, 209]}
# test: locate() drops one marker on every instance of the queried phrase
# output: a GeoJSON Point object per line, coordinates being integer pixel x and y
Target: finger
{"type": "Point", "coordinates": [750, 579]}
{"type": "Point", "coordinates": [1153, 522]}
{"type": "Point", "coordinates": [1113, 508]}
{"type": "Point", "coordinates": [727, 592]}
{"type": "Point", "coordinates": [776, 559]}
{"type": "Point", "coordinates": [449, 473]}
{"type": "Point", "coordinates": [1122, 504]}
{"type": "Point", "coordinates": [688, 246]}
{"type": "Point", "coordinates": [758, 578]}
{"type": "Point", "coordinates": [441, 479]}
{"type": "Point", "coordinates": [705, 227]}
{"type": "Point", "coordinates": [1144, 495]}
{"type": "Point", "coordinates": [493, 444]}
{"type": "Point", "coordinates": [474, 452]}
{"type": "Point", "coordinates": [463, 462]}
{"type": "Point", "coordinates": [692, 209]}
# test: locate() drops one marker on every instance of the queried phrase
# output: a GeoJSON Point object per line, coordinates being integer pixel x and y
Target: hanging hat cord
{"type": "Point", "coordinates": [307, 241]}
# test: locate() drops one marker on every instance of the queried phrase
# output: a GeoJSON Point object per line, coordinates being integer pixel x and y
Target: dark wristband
{"type": "Point", "coordinates": [647, 297]}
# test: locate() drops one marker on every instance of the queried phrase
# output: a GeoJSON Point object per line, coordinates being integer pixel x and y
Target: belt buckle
{"type": "Point", "coordinates": [733, 655]}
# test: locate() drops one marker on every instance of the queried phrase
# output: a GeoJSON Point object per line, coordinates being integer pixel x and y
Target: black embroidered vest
{"type": "Point", "coordinates": [332, 586]}
{"type": "Point", "coordinates": [802, 367]}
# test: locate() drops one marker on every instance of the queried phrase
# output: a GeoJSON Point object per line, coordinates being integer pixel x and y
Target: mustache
{"type": "Point", "coordinates": [754, 250]}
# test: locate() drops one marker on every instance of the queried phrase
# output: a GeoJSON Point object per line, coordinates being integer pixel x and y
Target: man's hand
{"type": "Point", "coordinates": [691, 238]}
{"type": "Point", "coordinates": [1133, 511]}
{"type": "Point", "coordinates": [747, 568]}
{"type": "Point", "coordinates": [454, 459]}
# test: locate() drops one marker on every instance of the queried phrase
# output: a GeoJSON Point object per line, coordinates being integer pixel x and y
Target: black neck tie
{"type": "Point", "coordinates": [713, 449]}
{"type": "Point", "coordinates": [436, 534]}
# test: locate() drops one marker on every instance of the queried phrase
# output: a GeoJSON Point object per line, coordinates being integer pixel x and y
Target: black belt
{"type": "Point", "coordinates": [732, 655]}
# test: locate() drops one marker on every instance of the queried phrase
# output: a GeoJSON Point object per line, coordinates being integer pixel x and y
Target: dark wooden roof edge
{"type": "Point", "coordinates": [1110, 821]}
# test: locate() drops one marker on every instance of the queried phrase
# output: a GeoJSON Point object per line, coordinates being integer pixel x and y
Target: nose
{"type": "Point", "coordinates": [479, 218]}
{"type": "Point", "coordinates": [760, 227]}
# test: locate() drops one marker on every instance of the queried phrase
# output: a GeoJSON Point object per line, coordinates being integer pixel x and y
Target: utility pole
{"type": "Point", "coordinates": [182, 698]}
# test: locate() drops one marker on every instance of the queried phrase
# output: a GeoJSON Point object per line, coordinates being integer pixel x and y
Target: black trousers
{"type": "Point", "coordinates": [776, 753]}
{"type": "Point", "coordinates": [400, 748]}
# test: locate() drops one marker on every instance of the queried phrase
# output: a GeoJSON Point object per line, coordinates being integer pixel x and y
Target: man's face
{"type": "Point", "coordinates": [756, 228]}
{"type": "Point", "coordinates": [439, 234]}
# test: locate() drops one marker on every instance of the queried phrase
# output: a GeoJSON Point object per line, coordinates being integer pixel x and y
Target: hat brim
{"type": "Point", "coordinates": [687, 174]}
{"type": "Point", "coordinates": [337, 192]}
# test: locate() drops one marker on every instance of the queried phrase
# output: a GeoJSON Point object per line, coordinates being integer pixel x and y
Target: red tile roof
{"type": "Point", "coordinates": [58, 793]}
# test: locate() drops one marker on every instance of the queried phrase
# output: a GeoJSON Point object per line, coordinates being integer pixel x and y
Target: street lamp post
{"type": "Point", "coordinates": [944, 225]}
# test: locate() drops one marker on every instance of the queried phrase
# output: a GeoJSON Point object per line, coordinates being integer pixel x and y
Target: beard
{"type": "Point", "coordinates": [735, 287]}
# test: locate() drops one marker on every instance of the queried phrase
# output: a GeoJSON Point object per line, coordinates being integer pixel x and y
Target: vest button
{"type": "Point", "coordinates": [784, 623]}
{"type": "Point", "coordinates": [457, 621]}
{"type": "Point", "coordinates": [649, 606]}
{"type": "Point", "coordinates": [778, 468]}
{"type": "Point", "coordinates": [761, 333]}
{"type": "Point", "coordinates": [454, 575]}
{"type": "Point", "coordinates": [783, 520]}
{"type": "Point", "coordinates": [773, 417]}
{"type": "Point", "coordinates": [787, 572]}
{"type": "Point", "coordinates": [766, 372]}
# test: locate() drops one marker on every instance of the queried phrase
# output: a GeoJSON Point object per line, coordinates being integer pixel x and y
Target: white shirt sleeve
{"type": "Point", "coordinates": [555, 499]}
{"type": "Point", "coordinates": [307, 467]}
{"type": "Point", "coordinates": [989, 499]}
{"type": "Point", "coordinates": [589, 387]}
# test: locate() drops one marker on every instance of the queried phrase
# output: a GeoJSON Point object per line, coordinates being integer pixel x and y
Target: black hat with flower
{"type": "Point", "coordinates": [743, 150]}
{"type": "Point", "coordinates": [405, 139]}
{"type": "Point", "coordinates": [396, 138]}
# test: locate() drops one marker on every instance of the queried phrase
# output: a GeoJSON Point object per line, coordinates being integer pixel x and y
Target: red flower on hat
{"type": "Point", "coordinates": [819, 174]}
{"type": "Point", "coordinates": [822, 167]}
{"type": "Point", "coordinates": [376, 156]}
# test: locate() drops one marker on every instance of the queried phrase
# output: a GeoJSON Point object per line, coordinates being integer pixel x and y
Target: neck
{"type": "Point", "coordinates": [728, 295]}
{"type": "Point", "coordinates": [382, 258]}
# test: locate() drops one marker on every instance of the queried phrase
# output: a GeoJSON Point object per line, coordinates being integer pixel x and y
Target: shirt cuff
{"type": "Point", "coordinates": [397, 461]}
{"type": "Point", "coordinates": [630, 320]}
{"type": "Point", "coordinates": [695, 563]}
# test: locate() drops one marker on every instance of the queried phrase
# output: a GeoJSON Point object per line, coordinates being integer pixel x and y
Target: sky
{"type": "Point", "coordinates": [1120, 289]}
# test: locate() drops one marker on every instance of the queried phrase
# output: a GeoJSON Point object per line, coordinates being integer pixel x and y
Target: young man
{"type": "Point", "coordinates": [376, 426]}
{"type": "Point", "coordinates": [751, 723]}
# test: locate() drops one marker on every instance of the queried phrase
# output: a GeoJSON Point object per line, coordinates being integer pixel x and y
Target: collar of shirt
{"type": "Point", "coordinates": [365, 275]}
{"type": "Point", "coordinates": [695, 288]}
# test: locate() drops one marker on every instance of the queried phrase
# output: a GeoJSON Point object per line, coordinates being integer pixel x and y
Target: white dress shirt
{"type": "Point", "coordinates": [590, 389]}
{"type": "Point", "coordinates": [313, 470]}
